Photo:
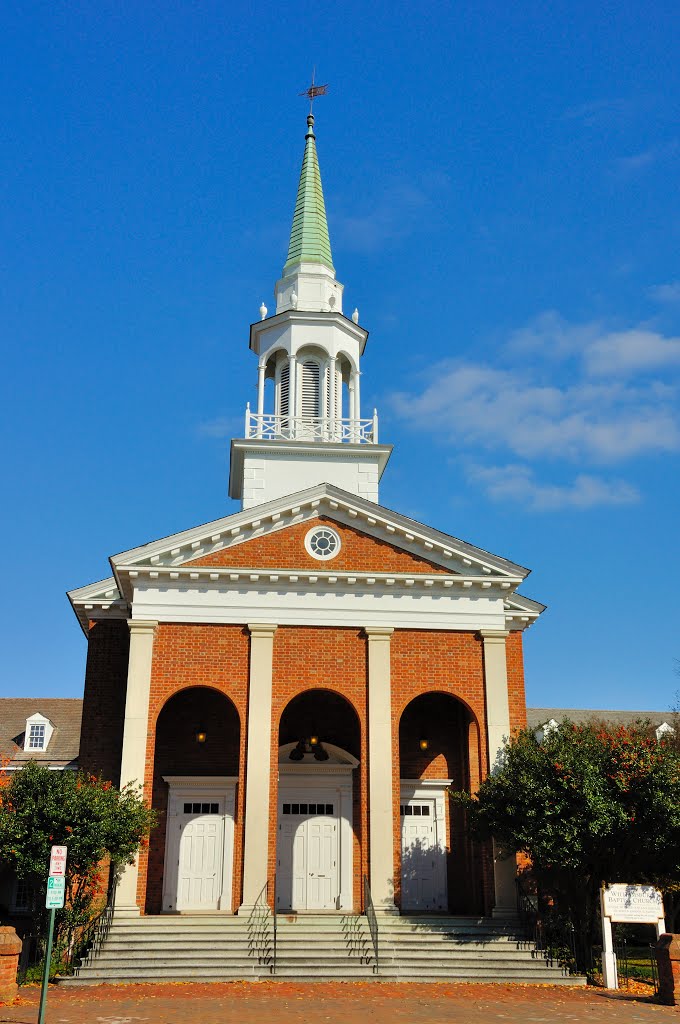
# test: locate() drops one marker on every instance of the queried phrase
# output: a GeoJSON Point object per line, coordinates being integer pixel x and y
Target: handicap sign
{"type": "Point", "coordinates": [55, 893]}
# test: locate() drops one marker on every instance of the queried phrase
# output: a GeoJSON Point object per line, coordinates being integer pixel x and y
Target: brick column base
{"type": "Point", "coordinates": [10, 947]}
{"type": "Point", "coordinates": [668, 961]}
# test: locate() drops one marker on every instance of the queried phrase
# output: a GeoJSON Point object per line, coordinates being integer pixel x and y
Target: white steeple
{"type": "Point", "coordinates": [308, 429]}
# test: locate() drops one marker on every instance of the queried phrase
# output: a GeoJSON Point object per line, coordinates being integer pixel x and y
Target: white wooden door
{"type": "Point", "coordinates": [423, 858]}
{"type": "Point", "coordinates": [195, 856]}
{"type": "Point", "coordinates": [307, 876]}
{"type": "Point", "coordinates": [200, 863]}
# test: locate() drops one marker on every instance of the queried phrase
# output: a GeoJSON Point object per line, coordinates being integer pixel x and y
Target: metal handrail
{"type": "Point", "coordinates": [372, 919]}
{"type": "Point", "coordinates": [90, 939]}
{"type": "Point", "coordinates": [260, 944]}
{"type": "Point", "coordinates": [273, 964]}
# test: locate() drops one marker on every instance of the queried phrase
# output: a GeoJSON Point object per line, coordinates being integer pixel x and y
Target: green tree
{"type": "Point", "coordinates": [97, 823]}
{"type": "Point", "coordinates": [587, 804]}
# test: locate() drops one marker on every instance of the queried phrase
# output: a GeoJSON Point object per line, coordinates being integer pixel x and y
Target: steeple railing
{"type": "Point", "coordinates": [273, 427]}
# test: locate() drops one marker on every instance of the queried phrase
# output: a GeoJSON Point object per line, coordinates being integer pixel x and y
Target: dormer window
{"type": "Point", "coordinates": [664, 730]}
{"type": "Point", "coordinates": [38, 733]}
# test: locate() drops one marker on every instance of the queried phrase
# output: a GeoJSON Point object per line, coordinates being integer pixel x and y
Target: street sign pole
{"type": "Point", "coordinates": [54, 900]}
{"type": "Point", "coordinates": [46, 972]}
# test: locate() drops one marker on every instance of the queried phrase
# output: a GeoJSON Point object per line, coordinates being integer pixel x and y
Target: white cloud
{"type": "Point", "coordinates": [556, 392]}
{"type": "Point", "coordinates": [628, 352]}
{"type": "Point", "coordinates": [477, 405]}
{"type": "Point", "coordinates": [666, 292]}
{"type": "Point", "coordinates": [221, 426]}
{"type": "Point", "coordinates": [518, 483]}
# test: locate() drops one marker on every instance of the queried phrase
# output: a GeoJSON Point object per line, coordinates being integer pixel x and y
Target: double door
{"type": "Point", "coordinates": [423, 855]}
{"type": "Point", "coordinates": [307, 875]}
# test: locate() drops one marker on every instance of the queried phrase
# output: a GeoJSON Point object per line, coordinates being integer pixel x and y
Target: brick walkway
{"type": "Point", "coordinates": [284, 1003]}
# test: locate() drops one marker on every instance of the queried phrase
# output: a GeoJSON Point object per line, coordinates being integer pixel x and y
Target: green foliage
{"type": "Point", "coordinates": [40, 808]}
{"type": "Point", "coordinates": [588, 804]}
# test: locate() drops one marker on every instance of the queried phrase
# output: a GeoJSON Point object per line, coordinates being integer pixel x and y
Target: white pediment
{"type": "Point", "coordinates": [169, 564]}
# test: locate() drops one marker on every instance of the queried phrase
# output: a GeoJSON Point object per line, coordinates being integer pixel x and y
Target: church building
{"type": "Point", "coordinates": [298, 684]}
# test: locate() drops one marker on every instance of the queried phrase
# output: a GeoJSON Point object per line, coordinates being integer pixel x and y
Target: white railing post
{"type": "Point", "coordinates": [247, 424]}
{"type": "Point", "coordinates": [375, 426]}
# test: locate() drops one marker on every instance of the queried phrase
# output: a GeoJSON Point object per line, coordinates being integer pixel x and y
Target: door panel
{"type": "Point", "coordinates": [423, 880]}
{"type": "Point", "coordinates": [307, 857]}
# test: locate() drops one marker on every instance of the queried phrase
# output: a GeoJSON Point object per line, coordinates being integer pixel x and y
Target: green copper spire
{"type": "Point", "coordinates": [309, 241]}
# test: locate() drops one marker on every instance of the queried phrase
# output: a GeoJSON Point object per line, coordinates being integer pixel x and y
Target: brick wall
{"type": "Point", "coordinates": [306, 659]}
{"type": "Point", "coordinates": [312, 659]}
{"type": "Point", "coordinates": [442, 663]}
{"type": "Point", "coordinates": [178, 753]}
{"type": "Point", "coordinates": [515, 658]}
{"type": "Point", "coordinates": [101, 739]}
{"type": "Point", "coordinates": [187, 655]}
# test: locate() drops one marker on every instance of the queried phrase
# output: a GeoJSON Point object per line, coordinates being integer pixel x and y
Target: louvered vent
{"type": "Point", "coordinates": [311, 389]}
{"type": "Point", "coordinates": [284, 390]}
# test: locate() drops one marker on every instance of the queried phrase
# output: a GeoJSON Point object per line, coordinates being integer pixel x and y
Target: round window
{"type": "Point", "coordinates": [321, 542]}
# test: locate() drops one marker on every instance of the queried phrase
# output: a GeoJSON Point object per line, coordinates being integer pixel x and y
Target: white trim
{"type": "Point", "coordinates": [309, 537]}
{"type": "Point", "coordinates": [48, 729]}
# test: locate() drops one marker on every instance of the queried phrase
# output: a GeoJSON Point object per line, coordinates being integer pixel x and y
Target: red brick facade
{"type": "Point", "coordinates": [200, 672]}
{"type": "Point", "coordinates": [286, 550]}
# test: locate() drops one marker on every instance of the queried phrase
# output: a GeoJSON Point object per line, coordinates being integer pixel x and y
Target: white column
{"type": "Point", "coordinates": [380, 804]}
{"type": "Point", "coordinates": [135, 732]}
{"type": "Point", "coordinates": [333, 392]}
{"type": "Point", "coordinates": [292, 392]}
{"type": "Point", "coordinates": [258, 764]}
{"type": "Point", "coordinates": [357, 395]}
{"type": "Point", "coordinates": [260, 397]}
{"type": "Point", "coordinates": [498, 732]}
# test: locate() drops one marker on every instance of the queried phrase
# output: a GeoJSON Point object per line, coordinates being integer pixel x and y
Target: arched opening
{"type": "Point", "coordinates": [440, 867]}
{"type": "Point", "coordinates": [318, 858]}
{"type": "Point", "coordinates": [196, 763]}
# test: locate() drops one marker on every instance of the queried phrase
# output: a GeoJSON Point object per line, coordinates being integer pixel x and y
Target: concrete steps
{"type": "Point", "coordinates": [317, 948]}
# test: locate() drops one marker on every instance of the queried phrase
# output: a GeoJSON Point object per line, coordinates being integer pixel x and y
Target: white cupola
{"type": "Point", "coordinates": [307, 428]}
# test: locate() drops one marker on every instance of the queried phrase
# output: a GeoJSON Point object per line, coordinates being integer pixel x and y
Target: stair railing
{"type": "Point", "coordinates": [273, 963]}
{"type": "Point", "coordinates": [372, 919]}
{"type": "Point", "coordinates": [260, 940]}
{"type": "Point", "coordinates": [86, 943]}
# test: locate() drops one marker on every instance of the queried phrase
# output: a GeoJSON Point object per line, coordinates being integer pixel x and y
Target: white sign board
{"type": "Point", "coordinates": [58, 861]}
{"type": "Point", "coordinates": [642, 904]}
{"type": "Point", "coordinates": [56, 887]}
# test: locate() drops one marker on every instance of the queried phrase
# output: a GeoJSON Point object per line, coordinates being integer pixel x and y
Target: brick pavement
{"type": "Point", "coordinates": [285, 1003]}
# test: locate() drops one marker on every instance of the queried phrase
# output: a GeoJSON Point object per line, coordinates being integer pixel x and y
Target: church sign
{"type": "Point", "coordinates": [621, 902]}
{"type": "Point", "coordinates": [642, 904]}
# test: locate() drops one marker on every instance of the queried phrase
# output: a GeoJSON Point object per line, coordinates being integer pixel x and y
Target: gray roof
{"type": "Point", "coordinates": [65, 715]}
{"type": "Point", "coordinates": [539, 716]}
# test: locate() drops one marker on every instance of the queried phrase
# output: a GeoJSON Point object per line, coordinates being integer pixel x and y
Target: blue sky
{"type": "Point", "coordinates": [501, 184]}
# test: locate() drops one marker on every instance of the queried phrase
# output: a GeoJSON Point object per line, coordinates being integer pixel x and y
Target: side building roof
{"type": "Point", "coordinates": [65, 714]}
{"type": "Point", "coordinates": [539, 716]}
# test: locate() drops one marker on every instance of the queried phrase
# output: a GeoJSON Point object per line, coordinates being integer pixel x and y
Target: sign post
{"type": "Point", "coordinates": [641, 904]}
{"type": "Point", "coordinates": [54, 900]}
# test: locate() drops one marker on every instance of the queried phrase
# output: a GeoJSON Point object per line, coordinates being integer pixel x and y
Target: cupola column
{"type": "Point", "coordinates": [261, 370]}
{"type": "Point", "coordinates": [356, 378]}
{"type": "Point", "coordinates": [292, 392]}
{"type": "Point", "coordinates": [332, 391]}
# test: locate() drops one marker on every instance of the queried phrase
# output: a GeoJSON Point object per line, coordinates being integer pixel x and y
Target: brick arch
{"type": "Point", "coordinates": [177, 752]}
{"type": "Point", "coordinates": [452, 730]}
{"type": "Point", "coordinates": [325, 711]}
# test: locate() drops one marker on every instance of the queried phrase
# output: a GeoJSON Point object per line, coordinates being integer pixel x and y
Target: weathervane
{"type": "Point", "coordinates": [314, 91]}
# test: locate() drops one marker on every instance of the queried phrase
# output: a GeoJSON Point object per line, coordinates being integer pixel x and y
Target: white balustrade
{"type": "Point", "coordinates": [271, 427]}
